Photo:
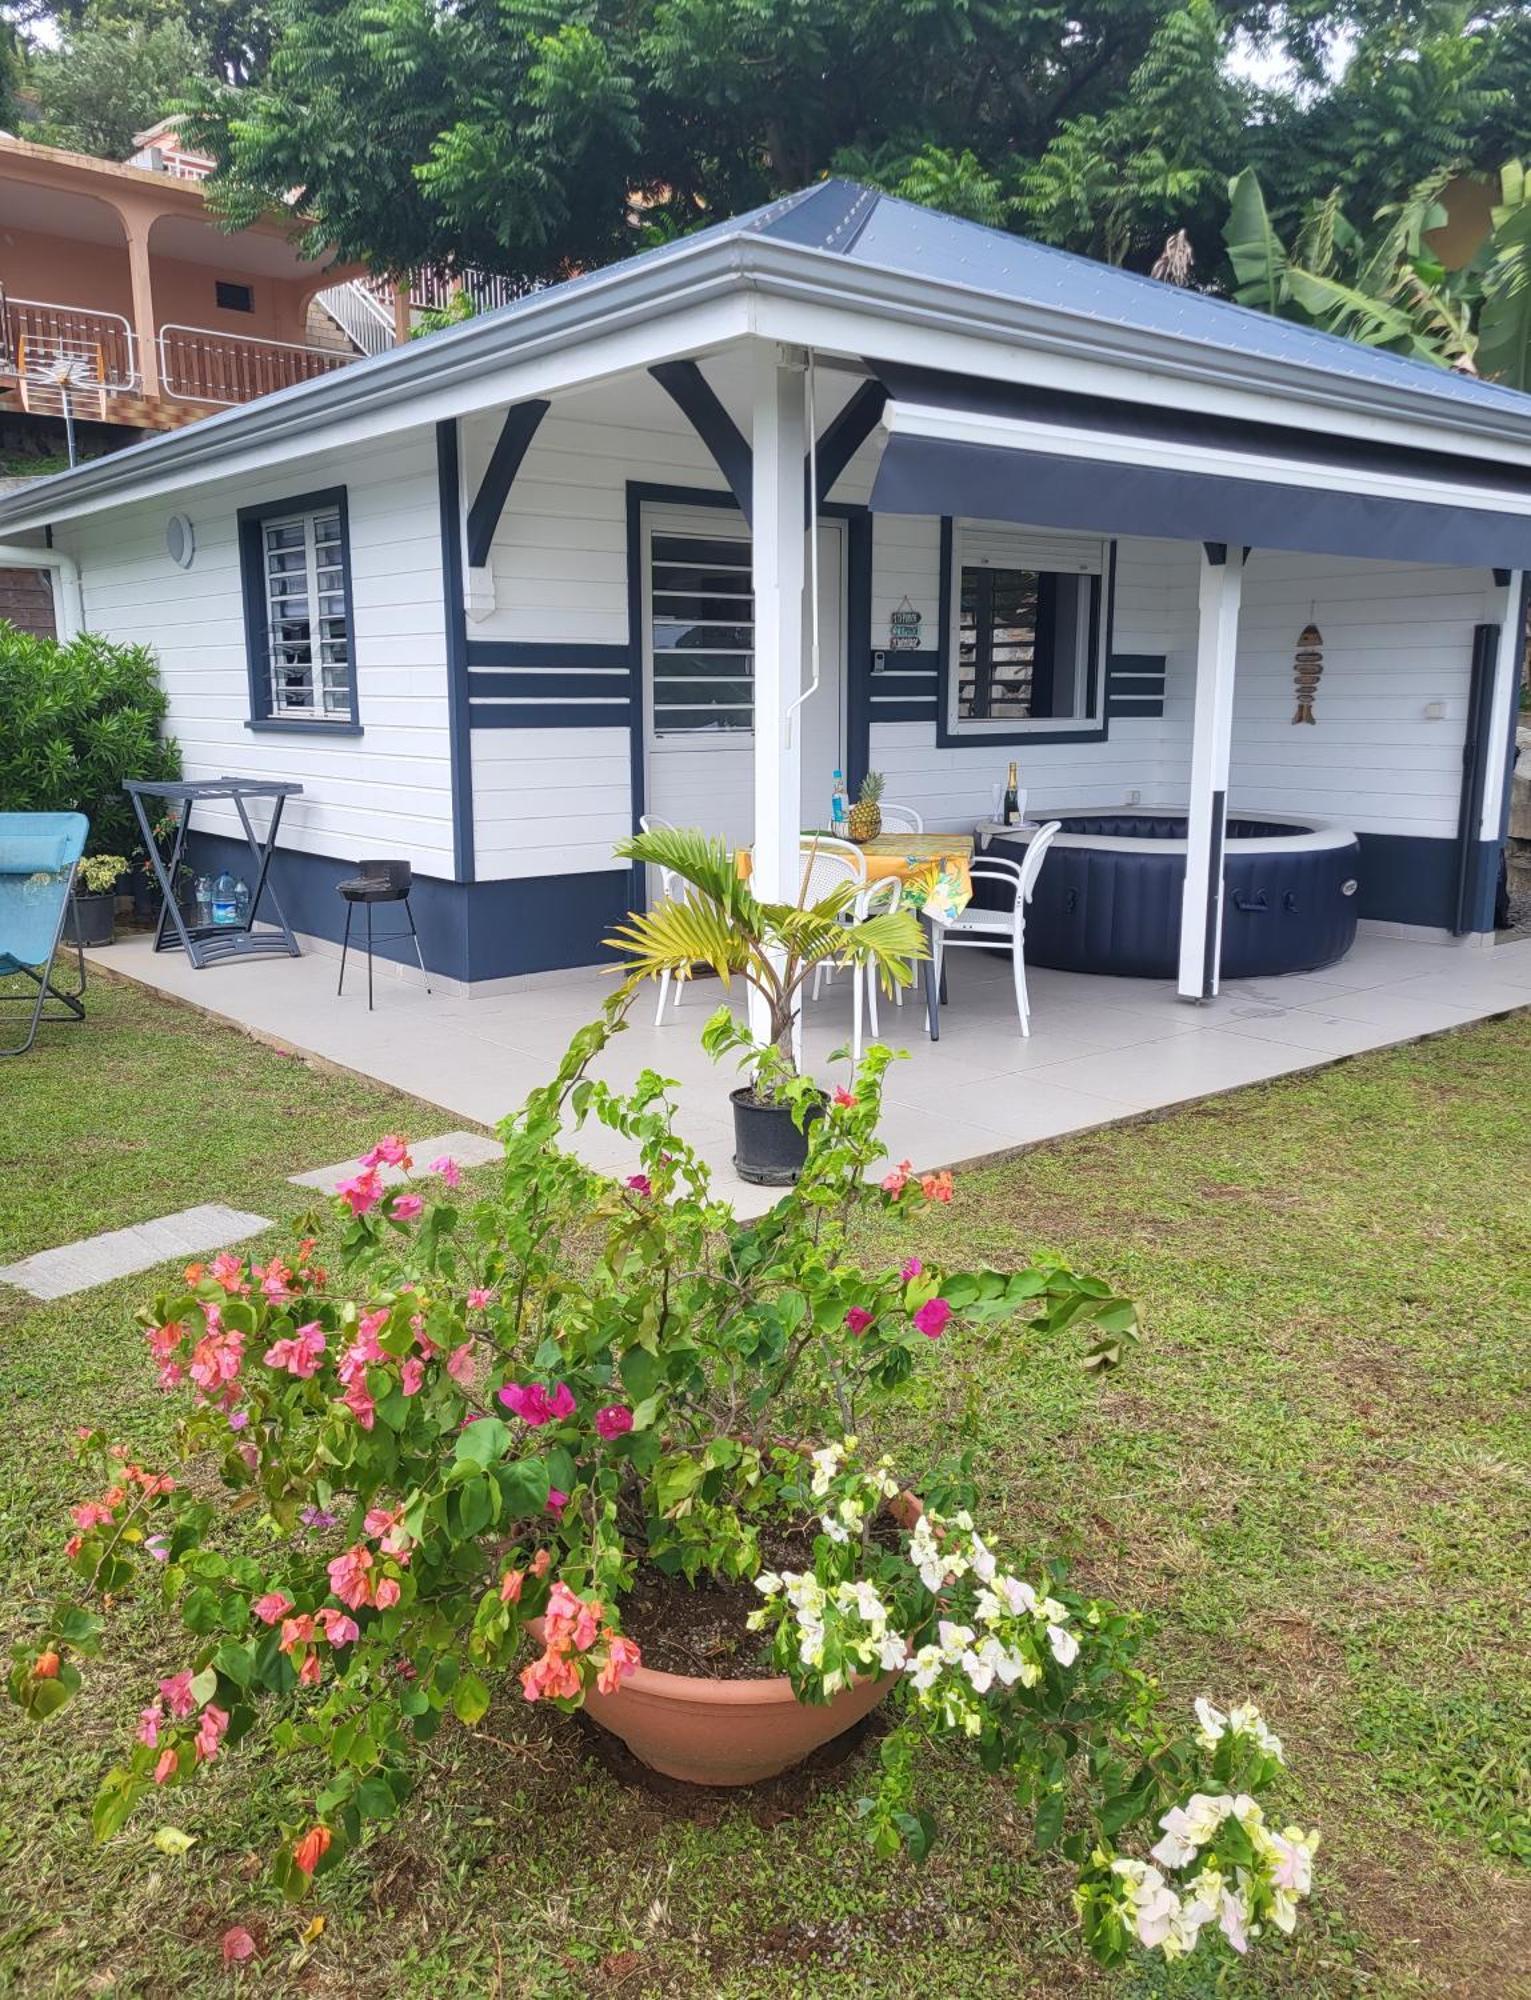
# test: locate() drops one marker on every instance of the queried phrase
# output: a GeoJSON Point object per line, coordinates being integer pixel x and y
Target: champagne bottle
{"type": "Point", "coordinates": [1011, 811]}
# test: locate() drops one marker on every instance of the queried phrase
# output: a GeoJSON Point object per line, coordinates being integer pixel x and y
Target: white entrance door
{"type": "Point", "coordinates": [698, 672]}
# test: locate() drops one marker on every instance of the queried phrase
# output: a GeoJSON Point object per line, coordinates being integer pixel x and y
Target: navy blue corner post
{"type": "Point", "coordinates": [208, 944]}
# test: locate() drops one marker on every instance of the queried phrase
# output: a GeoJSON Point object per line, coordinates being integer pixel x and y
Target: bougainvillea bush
{"type": "Point", "coordinates": [491, 1414]}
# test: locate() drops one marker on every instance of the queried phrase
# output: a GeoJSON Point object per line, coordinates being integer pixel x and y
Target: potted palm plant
{"type": "Point", "coordinates": [774, 948]}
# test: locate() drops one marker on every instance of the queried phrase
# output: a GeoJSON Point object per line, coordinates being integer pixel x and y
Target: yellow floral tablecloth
{"type": "Point", "coordinates": [933, 867]}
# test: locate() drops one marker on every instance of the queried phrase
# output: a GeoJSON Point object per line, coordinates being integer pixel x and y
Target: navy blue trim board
{"type": "Point", "coordinates": [510, 447]}
{"type": "Point", "coordinates": [468, 930]}
{"type": "Point", "coordinates": [455, 619]}
{"type": "Point", "coordinates": [696, 399]}
{"type": "Point", "coordinates": [250, 522]}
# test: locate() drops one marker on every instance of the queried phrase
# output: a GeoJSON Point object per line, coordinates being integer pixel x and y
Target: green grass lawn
{"type": "Point", "coordinates": [1316, 1474]}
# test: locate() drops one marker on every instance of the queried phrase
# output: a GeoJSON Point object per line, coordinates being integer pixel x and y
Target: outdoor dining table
{"type": "Point", "coordinates": [205, 944]}
{"type": "Point", "coordinates": [935, 869]}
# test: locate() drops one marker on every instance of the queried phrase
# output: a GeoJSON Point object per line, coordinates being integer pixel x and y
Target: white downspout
{"type": "Point", "coordinates": [63, 575]}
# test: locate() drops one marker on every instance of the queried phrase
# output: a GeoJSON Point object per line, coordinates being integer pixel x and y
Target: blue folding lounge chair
{"type": "Point", "coordinates": [38, 854]}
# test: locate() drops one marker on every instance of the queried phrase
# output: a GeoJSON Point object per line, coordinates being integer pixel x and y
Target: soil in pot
{"type": "Point", "coordinates": [769, 1149]}
{"type": "Point", "coordinates": [707, 1706]}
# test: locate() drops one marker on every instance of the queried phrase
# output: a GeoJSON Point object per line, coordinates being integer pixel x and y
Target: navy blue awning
{"type": "Point", "coordinates": [1324, 510]}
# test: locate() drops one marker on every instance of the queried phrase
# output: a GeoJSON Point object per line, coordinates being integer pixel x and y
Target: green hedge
{"type": "Point", "coordinates": [75, 720]}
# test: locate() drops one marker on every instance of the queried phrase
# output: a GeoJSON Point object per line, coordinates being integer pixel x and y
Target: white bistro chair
{"type": "Point", "coordinates": [669, 883]}
{"type": "Point", "coordinates": [901, 819]}
{"type": "Point", "coordinates": [824, 863]}
{"type": "Point", "coordinates": [988, 928]}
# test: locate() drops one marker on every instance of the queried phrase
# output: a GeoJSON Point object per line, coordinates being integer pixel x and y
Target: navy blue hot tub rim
{"type": "Point", "coordinates": [1108, 897]}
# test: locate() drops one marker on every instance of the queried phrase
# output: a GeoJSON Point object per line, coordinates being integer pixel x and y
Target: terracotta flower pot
{"type": "Point", "coordinates": [707, 1732]}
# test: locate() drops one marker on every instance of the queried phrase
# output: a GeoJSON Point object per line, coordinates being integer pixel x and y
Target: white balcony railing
{"type": "Point", "coordinates": [37, 337]}
{"type": "Point", "coordinates": [197, 365]}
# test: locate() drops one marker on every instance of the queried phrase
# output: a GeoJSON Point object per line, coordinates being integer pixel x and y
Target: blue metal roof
{"type": "Point", "coordinates": [893, 235]}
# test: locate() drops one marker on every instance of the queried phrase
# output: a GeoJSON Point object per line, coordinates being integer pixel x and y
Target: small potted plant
{"type": "Point", "coordinates": [93, 905]}
{"type": "Point", "coordinates": [774, 949]}
{"type": "Point", "coordinates": [522, 1447]}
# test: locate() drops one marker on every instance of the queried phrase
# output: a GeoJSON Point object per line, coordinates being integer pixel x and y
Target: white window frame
{"type": "Point", "coordinates": [702, 523]}
{"type": "Point", "coordinates": [997, 545]}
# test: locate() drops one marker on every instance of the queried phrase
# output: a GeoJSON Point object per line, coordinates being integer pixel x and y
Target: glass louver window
{"type": "Point", "coordinates": [308, 633]}
{"type": "Point", "coordinates": [702, 635]}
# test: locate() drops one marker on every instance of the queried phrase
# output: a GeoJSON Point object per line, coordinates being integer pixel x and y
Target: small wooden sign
{"type": "Point", "coordinates": [904, 629]}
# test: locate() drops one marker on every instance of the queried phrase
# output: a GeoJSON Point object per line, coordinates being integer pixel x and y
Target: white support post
{"type": "Point", "coordinates": [1217, 639]}
{"type": "Point", "coordinates": [778, 529]}
{"type": "Point", "coordinates": [1502, 706]}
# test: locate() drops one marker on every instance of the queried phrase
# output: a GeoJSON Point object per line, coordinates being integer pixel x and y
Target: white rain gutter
{"type": "Point", "coordinates": [64, 577]}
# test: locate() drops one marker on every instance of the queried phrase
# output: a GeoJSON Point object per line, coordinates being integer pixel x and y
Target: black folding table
{"type": "Point", "coordinates": [209, 944]}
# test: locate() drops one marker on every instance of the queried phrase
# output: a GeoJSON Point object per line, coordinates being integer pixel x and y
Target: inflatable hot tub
{"type": "Point", "coordinates": [1108, 897]}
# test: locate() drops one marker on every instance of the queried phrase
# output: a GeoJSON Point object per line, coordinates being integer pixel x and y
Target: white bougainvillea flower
{"type": "Point", "coordinates": [768, 1583]}
{"type": "Point", "coordinates": [1019, 1596]}
{"type": "Point", "coordinates": [1212, 1722]}
{"type": "Point", "coordinates": [924, 1669]}
{"type": "Point", "coordinates": [892, 1652]}
{"type": "Point", "coordinates": [1188, 1828]}
{"type": "Point", "coordinates": [1065, 1646]}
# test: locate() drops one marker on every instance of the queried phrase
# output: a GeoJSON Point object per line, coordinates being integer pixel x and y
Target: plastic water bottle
{"type": "Point", "coordinates": [242, 902]}
{"type": "Point", "coordinates": [224, 910]}
{"type": "Point", "coordinates": [202, 894]}
{"type": "Point", "coordinates": [840, 805]}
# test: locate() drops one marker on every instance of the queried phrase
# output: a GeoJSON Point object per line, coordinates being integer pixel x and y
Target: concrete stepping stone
{"type": "Point", "coordinates": [116, 1253]}
{"type": "Point", "coordinates": [468, 1149]}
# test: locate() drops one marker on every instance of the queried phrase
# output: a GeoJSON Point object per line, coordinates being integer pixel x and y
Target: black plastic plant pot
{"type": "Point", "coordinates": [769, 1150]}
{"type": "Point", "coordinates": [90, 919]}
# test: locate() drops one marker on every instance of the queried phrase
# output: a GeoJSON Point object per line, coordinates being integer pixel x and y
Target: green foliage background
{"type": "Point", "coordinates": [75, 720]}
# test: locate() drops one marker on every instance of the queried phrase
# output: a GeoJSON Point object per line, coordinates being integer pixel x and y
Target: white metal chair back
{"type": "Point", "coordinates": [824, 863]}
{"type": "Point", "coordinates": [670, 889]}
{"type": "Point", "coordinates": [976, 926]}
{"type": "Point", "coordinates": [901, 819]}
{"type": "Point", "coordinates": [1036, 854]}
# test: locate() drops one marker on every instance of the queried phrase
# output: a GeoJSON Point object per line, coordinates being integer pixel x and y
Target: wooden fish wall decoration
{"type": "Point", "coordinates": [1307, 671]}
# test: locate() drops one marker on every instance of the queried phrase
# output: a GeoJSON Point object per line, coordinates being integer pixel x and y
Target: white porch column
{"type": "Point", "coordinates": [1217, 638]}
{"type": "Point", "coordinates": [779, 441]}
{"type": "Point", "coordinates": [1503, 705]}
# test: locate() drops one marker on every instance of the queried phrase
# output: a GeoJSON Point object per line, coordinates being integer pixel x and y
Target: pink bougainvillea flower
{"type": "Point", "coordinates": [556, 1501]}
{"type": "Point", "coordinates": [337, 1627]}
{"type": "Point", "coordinates": [911, 1270]}
{"type": "Point", "coordinates": [622, 1658]}
{"type": "Point", "coordinates": [297, 1631]}
{"type": "Point", "coordinates": [614, 1421]}
{"type": "Point", "coordinates": [460, 1365]}
{"type": "Point", "coordinates": [554, 1676]}
{"type": "Point", "coordinates": [272, 1608]}
{"type": "Point", "coordinates": [316, 1517]}
{"type": "Point", "coordinates": [210, 1729]}
{"type": "Point", "coordinates": [640, 1184]}
{"type": "Point", "coordinates": [301, 1354]}
{"type": "Point", "coordinates": [312, 1848]}
{"type": "Point", "coordinates": [371, 1324]}
{"type": "Point", "coordinates": [349, 1578]}
{"type": "Point", "coordinates": [541, 1562]}
{"type": "Point", "coordinates": [378, 1520]}
{"type": "Point", "coordinates": [480, 1297]}
{"type": "Point", "coordinates": [897, 1178]}
{"type": "Point", "coordinates": [932, 1317]}
{"type": "Point", "coordinates": [149, 1720]}
{"type": "Point", "coordinates": [411, 1375]}
{"type": "Point", "coordinates": [843, 1097]}
{"type": "Point", "coordinates": [390, 1151]}
{"type": "Point", "coordinates": [936, 1187]}
{"type": "Point", "coordinates": [311, 1672]}
{"type": "Point", "coordinates": [406, 1207]}
{"type": "Point", "coordinates": [90, 1514]}
{"type": "Point", "coordinates": [158, 1547]}
{"type": "Point", "coordinates": [238, 1945]}
{"type": "Point", "coordinates": [858, 1319]}
{"type": "Point", "coordinates": [536, 1405]}
{"type": "Point", "coordinates": [229, 1271]}
{"type": "Point", "coordinates": [386, 1593]}
{"type": "Point", "coordinates": [511, 1584]}
{"type": "Point", "coordinates": [166, 1767]}
{"type": "Point", "coordinates": [177, 1692]}
{"type": "Point", "coordinates": [448, 1169]}
{"type": "Point", "coordinates": [362, 1192]}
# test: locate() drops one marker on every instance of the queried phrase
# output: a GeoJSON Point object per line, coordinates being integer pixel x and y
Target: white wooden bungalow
{"type": "Point", "coordinates": [491, 596]}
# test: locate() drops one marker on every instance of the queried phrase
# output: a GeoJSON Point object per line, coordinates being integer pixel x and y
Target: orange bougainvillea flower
{"type": "Point", "coordinates": [194, 1273]}
{"type": "Point", "coordinates": [47, 1666]}
{"type": "Point", "coordinates": [312, 1848]}
{"type": "Point", "coordinates": [936, 1187]}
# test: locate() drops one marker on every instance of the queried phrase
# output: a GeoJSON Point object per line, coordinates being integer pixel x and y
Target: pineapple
{"type": "Point", "coordinates": [865, 822]}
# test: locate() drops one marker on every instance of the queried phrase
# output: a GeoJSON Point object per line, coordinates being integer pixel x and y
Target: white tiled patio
{"type": "Point", "coordinates": [1101, 1049]}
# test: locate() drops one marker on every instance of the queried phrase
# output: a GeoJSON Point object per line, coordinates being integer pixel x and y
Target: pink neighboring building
{"type": "Point", "coordinates": [121, 271]}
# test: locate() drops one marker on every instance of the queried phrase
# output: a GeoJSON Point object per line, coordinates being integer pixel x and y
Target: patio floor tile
{"type": "Point", "coordinates": [116, 1253]}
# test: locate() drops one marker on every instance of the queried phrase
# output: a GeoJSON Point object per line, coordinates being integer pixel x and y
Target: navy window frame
{"type": "Point", "coordinates": [1102, 631]}
{"type": "Point", "coordinates": [252, 578]}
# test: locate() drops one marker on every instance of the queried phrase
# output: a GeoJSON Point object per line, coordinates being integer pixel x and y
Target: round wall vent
{"type": "Point", "coordinates": [180, 540]}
